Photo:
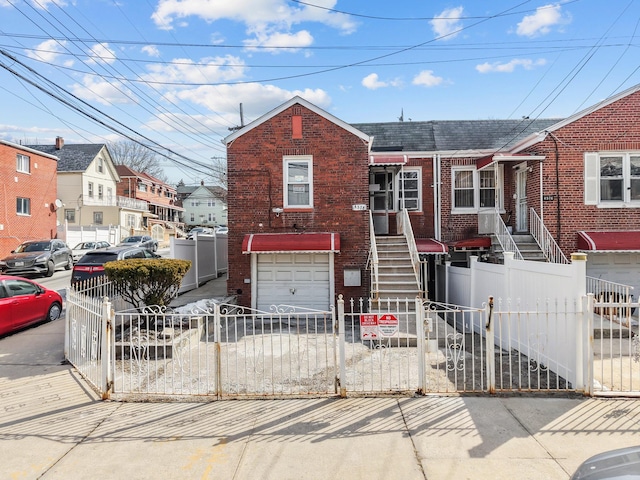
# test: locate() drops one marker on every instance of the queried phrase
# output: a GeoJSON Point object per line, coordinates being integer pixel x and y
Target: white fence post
{"type": "Point", "coordinates": [105, 349]}
{"type": "Point", "coordinates": [490, 346]}
{"type": "Point", "coordinates": [341, 350]}
{"type": "Point", "coordinates": [217, 334]}
{"type": "Point", "coordinates": [67, 329]}
{"type": "Point", "coordinates": [420, 319]}
{"type": "Point", "coordinates": [589, 344]}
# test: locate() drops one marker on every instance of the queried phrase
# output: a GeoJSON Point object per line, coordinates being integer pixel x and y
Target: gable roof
{"type": "Point", "coordinates": [451, 135]}
{"type": "Point", "coordinates": [24, 148]}
{"type": "Point", "coordinates": [72, 157]}
{"type": "Point", "coordinates": [295, 100]}
{"type": "Point", "coordinates": [125, 171]}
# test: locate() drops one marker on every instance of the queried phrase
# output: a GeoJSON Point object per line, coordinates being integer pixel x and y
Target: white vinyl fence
{"type": "Point", "coordinates": [208, 256]}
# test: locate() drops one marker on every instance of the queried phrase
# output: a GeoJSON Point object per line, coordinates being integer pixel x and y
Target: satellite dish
{"type": "Point", "coordinates": [58, 203]}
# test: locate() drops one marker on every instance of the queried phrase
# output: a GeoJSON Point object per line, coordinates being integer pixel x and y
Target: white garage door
{"type": "Point", "coordinates": [298, 279]}
{"type": "Point", "coordinates": [616, 267]}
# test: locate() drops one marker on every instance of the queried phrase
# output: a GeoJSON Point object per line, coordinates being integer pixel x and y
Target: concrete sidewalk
{"type": "Point", "coordinates": [53, 426]}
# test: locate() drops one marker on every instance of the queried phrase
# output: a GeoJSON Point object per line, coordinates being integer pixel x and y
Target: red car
{"type": "Point", "coordinates": [24, 302]}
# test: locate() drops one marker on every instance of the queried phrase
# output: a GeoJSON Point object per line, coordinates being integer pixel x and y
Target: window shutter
{"type": "Point", "coordinates": [590, 178]}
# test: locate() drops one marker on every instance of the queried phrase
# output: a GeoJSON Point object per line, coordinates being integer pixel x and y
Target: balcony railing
{"type": "Point", "coordinates": [111, 201]}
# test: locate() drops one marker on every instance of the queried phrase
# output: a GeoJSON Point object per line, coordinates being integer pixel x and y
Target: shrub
{"type": "Point", "coordinates": [147, 282]}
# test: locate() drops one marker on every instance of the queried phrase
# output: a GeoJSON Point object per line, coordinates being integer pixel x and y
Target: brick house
{"type": "Point", "coordinates": [297, 178]}
{"type": "Point", "coordinates": [160, 197]}
{"type": "Point", "coordinates": [459, 183]}
{"type": "Point", "coordinates": [29, 193]}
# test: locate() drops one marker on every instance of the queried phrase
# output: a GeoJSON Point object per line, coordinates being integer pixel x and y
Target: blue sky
{"type": "Point", "coordinates": [173, 73]}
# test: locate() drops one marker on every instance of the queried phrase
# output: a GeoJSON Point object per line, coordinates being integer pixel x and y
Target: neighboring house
{"type": "Point", "coordinates": [158, 195]}
{"type": "Point", "coordinates": [87, 187]}
{"type": "Point", "coordinates": [203, 205]}
{"type": "Point", "coordinates": [460, 182]}
{"type": "Point", "coordinates": [29, 195]}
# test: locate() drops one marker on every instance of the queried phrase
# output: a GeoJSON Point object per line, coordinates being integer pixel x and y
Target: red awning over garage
{"type": "Point", "coordinates": [291, 242]}
{"type": "Point", "coordinates": [431, 246]}
{"type": "Point", "coordinates": [609, 241]}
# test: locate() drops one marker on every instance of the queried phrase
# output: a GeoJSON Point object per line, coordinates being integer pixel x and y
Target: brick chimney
{"type": "Point", "coordinates": [59, 143]}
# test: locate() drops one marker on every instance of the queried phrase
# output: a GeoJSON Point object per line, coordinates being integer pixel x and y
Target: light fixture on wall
{"type": "Point", "coordinates": [277, 211]}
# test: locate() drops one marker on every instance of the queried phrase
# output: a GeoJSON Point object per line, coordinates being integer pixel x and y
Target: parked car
{"type": "Point", "coordinates": [222, 229]}
{"type": "Point", "coordinates": [144, 241]}
{"type": "Point", "coordinates": [24, 302]}
{"type": "Point", "coordinates": [83, 247]}
{"type": "Point", "coordinates": [91, 265]}
{"type": "Point", "coordinates": [199, 231]}
{"type": "Point", "coordinates": [41, 257]}
{"type": "Point", "coordinates": [614, 464]}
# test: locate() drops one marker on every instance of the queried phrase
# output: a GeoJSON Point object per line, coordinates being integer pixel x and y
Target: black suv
{"type": "Point", "coordinates": [40, 257]}
{"type": "Point", "coordinates": [91, 265]}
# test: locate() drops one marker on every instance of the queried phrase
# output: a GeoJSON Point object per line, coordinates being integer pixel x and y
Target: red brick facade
{"type": "Point", "coordinates": [39, 186]}
{"type": "Point", "coordinates": [612, 128]}
{"type": "Point", "coordinates": [340, 180]}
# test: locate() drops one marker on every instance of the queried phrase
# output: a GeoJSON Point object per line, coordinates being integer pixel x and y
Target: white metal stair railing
{"type": "Point", "coordinates": [505, 239]}
{"type": "Point", "coordinates": [543, 238]}
{"type": "Point", "coordinates": [372, 261]}
{"type": "Point", "coordinates": [404, 227]}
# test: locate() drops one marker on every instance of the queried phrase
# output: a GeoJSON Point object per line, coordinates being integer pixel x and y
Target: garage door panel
{"type": "Point", "coordinates": [293, 279]}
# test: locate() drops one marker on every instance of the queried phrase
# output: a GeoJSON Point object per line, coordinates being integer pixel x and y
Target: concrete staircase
{"type": "Point", "coordinates": [525, 242]}
{"type": "Point", "coordinates": [396, 278]}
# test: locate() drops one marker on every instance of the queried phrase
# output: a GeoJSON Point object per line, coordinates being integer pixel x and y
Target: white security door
{"type": "Point", "coordinates": [297, 279]}
{"type": "Point", "coordinates": [522, 217]}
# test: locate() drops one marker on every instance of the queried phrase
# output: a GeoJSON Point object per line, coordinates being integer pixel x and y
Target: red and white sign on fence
{"type": "Point", "coordinates": [378, 325]}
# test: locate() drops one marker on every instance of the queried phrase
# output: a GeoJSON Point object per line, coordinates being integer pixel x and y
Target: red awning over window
{"type": "Point", "coordinates": [609, 241]}
{"type": "Point", "coordinates": [291, 242]}
{"type": "Point", "coordinates": [430, 246]}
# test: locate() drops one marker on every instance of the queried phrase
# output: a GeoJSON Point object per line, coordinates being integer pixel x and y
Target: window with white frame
{"type": "Point", "coordinates": [410, 189]}
{"type": "Point", "coordinates": [100, 191]}
{"type": "Point", "coordinates": [298, 181]}
{"type": "Point", "coordinates": [100, 165]}
{"type": "Point", "coordinates": [142, 187]}
{"type": "Point", "coordinates": [23, 206]}
{"type": "Point", "coordinates": [90, 189]}
{"type": "Point", "coordinates": [23, 163]}
{"type": "Point", "coordinates": [612, 179]}
{"type": "Point", "coordinates": [473, 190]}
{"type": "Point", "coordinates": [192, 217]}
{"type": "Point", "coordinates": [131, 220]}
{"type": "Point", "coordinates": [97, 218]}
{"type": "Point", "coordinates": [70, 215]}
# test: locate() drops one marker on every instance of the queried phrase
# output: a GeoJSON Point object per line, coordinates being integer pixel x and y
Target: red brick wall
{"type": "Point", "coordinates": [340, 180]}
{"type": "Point", "coordinates": [40, 186]}
{"type": "Point", "coordinates": [615, 127]}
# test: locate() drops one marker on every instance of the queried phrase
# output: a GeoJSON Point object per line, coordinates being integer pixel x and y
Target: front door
{"type": "Point", "coordinates": [381, 199]}
{"type": "Point", "coordinates": [522, 222]}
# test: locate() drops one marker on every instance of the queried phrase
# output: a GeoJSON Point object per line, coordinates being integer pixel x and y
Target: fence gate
{"type": "Point", "coordinates": [86, 338]}
{"type": "Point", "coordinates": [225, 351]}
{"type": "Point", "coordinates": [615, 345]}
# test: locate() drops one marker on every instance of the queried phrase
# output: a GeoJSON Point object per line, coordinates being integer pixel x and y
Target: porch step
{"type": "Point", "coordinates": [396, 278]}
{"type": "Point", "coordinates": [525, 242]}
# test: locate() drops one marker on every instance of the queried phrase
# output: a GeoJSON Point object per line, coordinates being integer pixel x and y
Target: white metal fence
{"type": "Point", "coordinates": [361, 348]}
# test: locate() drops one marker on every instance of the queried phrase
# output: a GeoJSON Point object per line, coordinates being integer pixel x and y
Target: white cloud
{"type": "Point", "coordinates": [372, 82]}
{"type": "Point", "coordinates": [151, 50]}
{"type": "Point", "coordinates": [102, 91]}
{"type": "Point", "coordinates": [44, 4]}
{"type": "Point", "coordinates": [47, 51]}
{"type": "Point", "coordinates": [426, 78]}
{"type": "Point", "coordinates": [101, 53]}
{"type": "Point", "coordinates": [542, 20]}
{"type": "Point", "coordinates": [207, 70]}
{"type": "Point", "coordinates": [256, 99]}
{"type": "Point", "coordinates": [294, 41]}
{"type": "Point", "coordinates": [448, 23]}
{"type": "Point", "coordinates": [509, 67]}
{"type": "Point", "coordinates": [251, 13]}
